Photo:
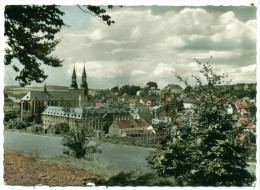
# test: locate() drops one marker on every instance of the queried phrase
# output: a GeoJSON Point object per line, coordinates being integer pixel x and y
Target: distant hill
{"type": "Point", "coordinates": [19, 92]}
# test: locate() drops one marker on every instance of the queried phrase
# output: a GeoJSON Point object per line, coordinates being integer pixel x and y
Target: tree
{"type": "Point", "coordinates": [152, 84]}
{"type": "Point", "coordinates": [16, 123]}
{"type": "Point", "coordinates": [115, 89]}
{"type": "Point", "coordinates": [130, 90]}
{"type": "Point", "coordinates": [76, 143]}
{"type": "Point", "coordinates": [30, 32]}
{"type": "Point", "coordinates": [203, 151]}
{"type": "Point", "coordinates": [60, 128]}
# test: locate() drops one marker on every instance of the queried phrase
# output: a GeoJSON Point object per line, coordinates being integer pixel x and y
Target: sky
{"type": "Point", "coordinates": [149, 43]}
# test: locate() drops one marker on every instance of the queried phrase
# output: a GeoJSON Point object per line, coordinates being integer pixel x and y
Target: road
{"type": "Point", "coordinates": [128, 157]}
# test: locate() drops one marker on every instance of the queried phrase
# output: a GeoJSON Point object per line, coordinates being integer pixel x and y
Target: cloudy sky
{"type": "Point", "coordinates": [148, 43]}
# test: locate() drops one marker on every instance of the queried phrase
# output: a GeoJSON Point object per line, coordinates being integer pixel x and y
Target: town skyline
{"type": "Point", "coordinates": [143, 47]}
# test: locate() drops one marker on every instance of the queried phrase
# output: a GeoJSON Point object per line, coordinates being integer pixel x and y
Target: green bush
{"type": "Point", "coordinates": [135, 179]}
{"type": "Point", "coordinates": [16, 124]}
{"type": "Point", "coordinates": [61, 128]}
{"type": "Point", "coordinates": [76, 143]}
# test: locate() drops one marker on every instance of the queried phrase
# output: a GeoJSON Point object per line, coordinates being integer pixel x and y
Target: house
{"type": "Point", "coordinates": [164, 116]}
{"type": "Point", "coordinates": [154, 91]}
{"type": "Point", "coordinates": [244, 140]}
{"type": "Point", "coordinates": [110, 100]}
{"type": "Point", "coordinates": [99, 104]}
{"type": "Point", "coordinates": [118, 128]}
{"type": "Point", "coordinates": [144, 136]}
{"type": "Point", "coordinates": [245, 106]}
{"type": "Point", "coordinates": [172, 89]}
{"type": "Point", "coordinates": [247, 123]}
{"type": "Point", "coordinates": [132, 103]}
{"type": "Point", "coordinates": [144, 112]}
{"type": "Point", "coordinates": [53, 115]}
{"type": "Point", "coordinates": [100, 119]}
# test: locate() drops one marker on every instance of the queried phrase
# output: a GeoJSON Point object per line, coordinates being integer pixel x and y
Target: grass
{"type": "Point", "coordinates": [112, 173]}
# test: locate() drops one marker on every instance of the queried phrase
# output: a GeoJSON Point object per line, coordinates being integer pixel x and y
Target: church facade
{"type": "Point", "coordinates": [34, 102]}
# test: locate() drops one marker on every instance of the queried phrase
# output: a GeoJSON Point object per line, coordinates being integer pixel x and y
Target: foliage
{"type": "Point", "coordinates": [10, 114]}
{"type": "Point", "coordinates": [130, 90]}
{"type": "Point", "coordinates": [99, 13]}
{"type": "Point", "coordinates": [60, 128]}
{"type": "Point", "coordinates": [127, 141]}
{"type": "Point", "coordinates": [134, 179]}
{"type": "Point", "coordinates": [115, 89]}
{"type": "Point", "coordinates": [37, 128]}
{"type": "Point", "coordinates": [152, 84]}
{"type": "Point", "coordinates": [203, 150]}
{"type": "Point", "coordinates": [30, 32]}
{"type": "Point", "coordinates": [31, 39]}
{"type": "Point", "coordinates": [16, 123]}
{"type": "Point", "coordinates": [76, 143]}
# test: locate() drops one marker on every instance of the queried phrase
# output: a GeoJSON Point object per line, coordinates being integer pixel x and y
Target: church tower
{"type": "Point", "coordinates": [74, 85]}
{"type": "Point", "coordinates": [83, 89]}
{"type": "Point", "coordinates": [84, 84]}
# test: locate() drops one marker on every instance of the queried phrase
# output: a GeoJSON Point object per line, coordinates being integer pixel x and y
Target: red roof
{"type": "Point", "coordinates": [125, 94]}
{"type": "Point", "coordinates": [131, 100]}
{"type": "Point", "coordinates": [116, 93]}
{"type": "Point", "coordinates": [244, 104]}
{"type": "Point", "coordinates": [178, 121]}
{"type": "Point", "coordinates": [99, 104]}
{"type": "Point", "coordinates": [223, 100]}
{"type": "Point", "coordinates": [241, 137]}
{"type": "Point", "coordinates": [250, 126]}
{"type": "Point", "coordinates": [132, 123]}
{"type": "Point", "coordinates": [243, 111]}
{"type": "Point", "coordinates": [243, 120]}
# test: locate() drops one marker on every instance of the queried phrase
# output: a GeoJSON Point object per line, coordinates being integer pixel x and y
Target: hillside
{"type": "Point", "coordinates": [19, 92]}
{"type": "Point", "coordinates": [23, 170]}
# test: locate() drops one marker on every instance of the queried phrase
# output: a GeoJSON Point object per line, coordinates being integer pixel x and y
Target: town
{"type": "Point", "coordinates": [127, 111]}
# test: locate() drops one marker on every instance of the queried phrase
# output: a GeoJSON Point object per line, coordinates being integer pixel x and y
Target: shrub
{"type": "Point", "coordinates": [16, 124]}
{"type": "Point", "coordinates": [60, 128]}
{"type": "Point", "coordinates": [76, 143]}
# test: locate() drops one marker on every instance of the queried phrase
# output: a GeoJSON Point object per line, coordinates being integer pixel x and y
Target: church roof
{"type": "Point", "coordinates": [52, 95]}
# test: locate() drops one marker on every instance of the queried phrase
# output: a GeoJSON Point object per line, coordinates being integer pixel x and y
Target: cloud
{"type": "Point", "coordinates": [146, 46]}
{"type": "Point", "coordinates": [95, 69]}
{"type": "Point", "coordinates": [137, 72]}
{"type": "Point", "coordinates": [163, 69]}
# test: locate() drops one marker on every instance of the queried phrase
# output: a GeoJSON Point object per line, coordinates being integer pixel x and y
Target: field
{"type": "Point", "coordinates": [22, 170]}
{"type": "Point", "coordinates": [19, 92]}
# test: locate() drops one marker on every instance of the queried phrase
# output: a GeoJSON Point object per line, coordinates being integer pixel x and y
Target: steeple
{"type": "Point", "coordinates": [74, 72]}
{"type": "Point", "coordinates": [74, 85]}
{"type": "Point", "coordinates": [84, 84]}
{"type": "Point", "coordinates": [45, 88]}
{"type": "Point", "coordinates": [84, 71]}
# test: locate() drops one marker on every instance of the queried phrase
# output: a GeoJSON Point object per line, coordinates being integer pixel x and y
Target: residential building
{"type": "Point", "coordinates": [100, 119]}
{"type": "Point", "coordinates": [118, 128]}
{"type": "Point", "coordinates": [54, 115]}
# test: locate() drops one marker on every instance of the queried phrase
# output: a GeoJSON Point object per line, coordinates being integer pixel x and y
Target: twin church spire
{"type": "Point", "coordinates": [84, 84]}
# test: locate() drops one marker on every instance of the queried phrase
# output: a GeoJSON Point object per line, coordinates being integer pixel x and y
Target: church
{"type": "Point", "coordinates": [34, 102]}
